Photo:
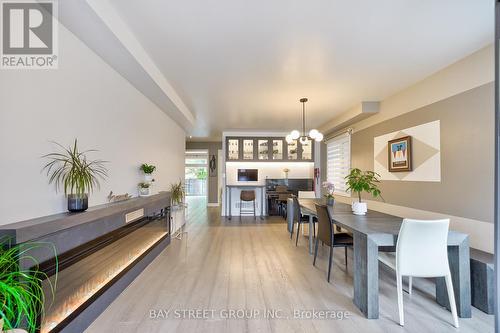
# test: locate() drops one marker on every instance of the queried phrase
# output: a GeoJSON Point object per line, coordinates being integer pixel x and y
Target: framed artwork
{"type": "Point", "coordinates": [212, 166]}
{"type": "Point", "coordinates": [400, 154]}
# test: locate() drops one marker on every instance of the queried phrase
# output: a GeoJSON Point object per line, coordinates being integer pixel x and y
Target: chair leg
{"type": "Point", "coordinates": [410, 283]}
{"type": "Point", "coordinates": [254, 215]}
{"type": "Point", "coordinates": [330, 263]}
{"type": "Point", "coordinates": [451, 298]}
{"type": "Point", "coordinates": [315, 252]}
{"type": "Point", "coordinates": [345, 254]}
{"type": "Point", "coordinates": [298, 232]}
{"type": "Point", "coordinates": [314, 230]}
{"type": "Point", "coordinates": [241, 203]}
{"type": "Point", "coordinates": [399, 286]}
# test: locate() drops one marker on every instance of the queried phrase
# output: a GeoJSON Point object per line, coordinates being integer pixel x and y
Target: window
{"type": "Point", "coordinates": [338, 163]}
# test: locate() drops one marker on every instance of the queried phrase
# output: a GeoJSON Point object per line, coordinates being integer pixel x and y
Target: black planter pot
{"type": "Point", "coordinates": [78, 202]}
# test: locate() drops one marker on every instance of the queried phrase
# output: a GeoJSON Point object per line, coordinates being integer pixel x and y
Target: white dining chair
{"type": "Point", "coordinates": [421, 251]}
{"type": "Point", "coordinates": [306, 195]}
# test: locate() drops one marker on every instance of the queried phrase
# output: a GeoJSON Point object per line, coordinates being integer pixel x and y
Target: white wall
{"type": "Point", "coordinates": [88, 100]}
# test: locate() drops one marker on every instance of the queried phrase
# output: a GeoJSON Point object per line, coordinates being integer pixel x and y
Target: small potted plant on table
{"type": "Point", "coordinates": [78, 176]}
{"type": "Point", "coordinates": [362, 181]}
{"type": "Point", "coordinates": [144, 189]}
{"type": "Point", "coordinates": [330, 188]}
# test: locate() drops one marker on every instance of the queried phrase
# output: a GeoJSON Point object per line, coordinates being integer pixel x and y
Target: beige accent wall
{"type": "Point", "coordinates": [462, 97]}
{"type": "Point", "coordinates": [467, 156]}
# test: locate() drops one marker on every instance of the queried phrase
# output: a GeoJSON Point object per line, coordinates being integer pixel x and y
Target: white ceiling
{"type": "Point", "coordinates": [240, 64]}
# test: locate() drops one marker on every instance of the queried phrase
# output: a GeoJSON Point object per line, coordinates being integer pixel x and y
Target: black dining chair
{"type": "Point", "coordinates": [297, 215]}
{"type": "Point", "coordinates": [327, 235]}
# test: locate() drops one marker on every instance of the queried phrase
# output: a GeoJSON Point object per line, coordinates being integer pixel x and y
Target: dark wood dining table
{"type": "Point", "coordinates": [376, 229]}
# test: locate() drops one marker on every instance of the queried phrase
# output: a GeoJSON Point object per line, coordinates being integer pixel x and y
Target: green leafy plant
{"type": "Point", "coordinates": [363, 181]}
{"type": "Point", "coordinates": [201, 173]}
{"type": "Point", "coordinates": [147, 168]}
{"type": "Point", "coordinates": [21, 295]}
{"type": "Point", "coordinates": [71, 170]}
{"type": "Point", "coordinates": [144, 185]}
{"type": "Point", "coordinates": [177, 192]}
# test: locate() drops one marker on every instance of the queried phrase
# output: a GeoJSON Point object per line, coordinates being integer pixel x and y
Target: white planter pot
{"type": "Point", "coordinates": [143, 191]}
{"type": "Point", "coordinates": [148, 177]}
{"type": "Point", "coordinates": [359, 208]}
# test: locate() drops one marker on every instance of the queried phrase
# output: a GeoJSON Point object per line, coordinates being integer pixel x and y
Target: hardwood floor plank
{"type": "Point", "coordinates": [253, 265]}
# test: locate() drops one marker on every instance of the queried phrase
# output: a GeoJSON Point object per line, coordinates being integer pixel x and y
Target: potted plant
{"type": "Point", "coordinates": [78, 176]}
{"type": "Point", "coordinates": [21, 295]}
{"type": "Point", "coordinates": [362, 181]}
{"type": "Point", "coordinates": [148, 170]}
{"type": "Point", "coordinates": [177, 193]}
{"type": "Point", "coordinates": [330, 188]}
{"type": "Point", "coordinates": [144, 189]}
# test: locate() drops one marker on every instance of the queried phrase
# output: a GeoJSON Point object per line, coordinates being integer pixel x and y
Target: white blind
{"type": "Point", "coordinates": [338, 162]}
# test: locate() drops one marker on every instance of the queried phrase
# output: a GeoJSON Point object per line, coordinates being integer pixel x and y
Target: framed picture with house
{"type": "Point", "coordinates": [400, 153]}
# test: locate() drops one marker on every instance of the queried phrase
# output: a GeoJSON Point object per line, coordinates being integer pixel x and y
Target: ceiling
{"type": "Point", "coordinates": [240, 64]}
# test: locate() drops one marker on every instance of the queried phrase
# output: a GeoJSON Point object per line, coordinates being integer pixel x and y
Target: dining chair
{"type": "Point", "coordinates": [246, 196]}
{"type": "Point", "coordinates": [306, 195]}
{"type": "Point", "coordinates": [421, 251]}
{"type": "Point", "coordinates": [327, 235]}
{"type": "Point", "coordinates": [300, 218]}
{"type": "Point", "coordinates": [282, 203]}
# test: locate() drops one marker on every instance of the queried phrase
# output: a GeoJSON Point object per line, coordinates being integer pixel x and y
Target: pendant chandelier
{"type": "Point", "coordinates": [303, 137]}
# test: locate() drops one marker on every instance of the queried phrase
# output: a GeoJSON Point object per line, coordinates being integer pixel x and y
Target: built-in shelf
{"type": "Point", "coordinates": [260, 149]}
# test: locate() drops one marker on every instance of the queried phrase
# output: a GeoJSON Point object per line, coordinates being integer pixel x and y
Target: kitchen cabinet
{"type": "Point", "coordinates": [272, 149]}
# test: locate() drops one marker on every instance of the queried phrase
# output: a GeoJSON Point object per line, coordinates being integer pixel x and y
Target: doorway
{"type": "Point", "coordinates": [196, 175]}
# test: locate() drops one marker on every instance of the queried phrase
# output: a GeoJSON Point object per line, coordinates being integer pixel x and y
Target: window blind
{"type": "Point", "coordinates": [339, 162]}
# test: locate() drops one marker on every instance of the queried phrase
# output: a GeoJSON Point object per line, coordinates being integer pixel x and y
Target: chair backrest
{"type": "Point", "coordinates": [281, 188]}
{"type": "Point", "coordinates": [422, 248]}
{"type": "Point", "coordinates": [307, 194]}
{"type": "Point", "coordinates": [296, 208]}
{"type": "Point", "coordinates": [325, 228]}
{"type": "Point", "coordinates": [247, 195]}
{"type": "Point", "coordinates": [284, 196]}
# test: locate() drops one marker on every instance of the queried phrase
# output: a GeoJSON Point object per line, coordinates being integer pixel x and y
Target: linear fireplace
{"type": "Point", "coordinates": [97, 256]}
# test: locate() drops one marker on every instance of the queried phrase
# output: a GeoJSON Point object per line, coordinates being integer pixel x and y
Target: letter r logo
{"type": "Point", "coordinates": [27, 28]}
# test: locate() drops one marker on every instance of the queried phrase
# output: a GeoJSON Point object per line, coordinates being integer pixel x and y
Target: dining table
{"type": "Point", "coordinates": [377, 230]}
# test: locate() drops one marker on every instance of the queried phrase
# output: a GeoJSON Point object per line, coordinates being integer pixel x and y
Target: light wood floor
{"type": "Point", "coordinates": [250, 265]}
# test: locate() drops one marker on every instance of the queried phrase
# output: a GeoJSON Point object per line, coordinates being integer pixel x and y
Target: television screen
{"type": "Point", "coordinates": [248, 175]}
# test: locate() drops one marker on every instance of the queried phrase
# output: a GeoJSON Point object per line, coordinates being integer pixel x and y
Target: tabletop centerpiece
{"type": "Point", "coordinates": [362, 181]}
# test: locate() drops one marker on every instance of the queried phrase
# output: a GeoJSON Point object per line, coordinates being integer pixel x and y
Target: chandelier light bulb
{"type": "Point", "coordinates": [289, 139]}
{"type": "Point", "coordinates": [313, 133]}
{"type": "Point", "coordinates": [319, 137]}
{"type": "Point", "coordinates": [295, 134]}
{"type": "Point", "coordinates": [303, 140]}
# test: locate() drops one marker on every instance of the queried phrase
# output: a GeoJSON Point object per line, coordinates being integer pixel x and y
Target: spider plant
{"type": "Point", "coordinates": [70, 170]}
{"type": "Point", "coordinates": [177, 192]}
{"type": "Point", "coordinates": [22, 297]}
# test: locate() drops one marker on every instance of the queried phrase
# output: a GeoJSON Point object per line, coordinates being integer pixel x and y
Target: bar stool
{"type": "Point", "coordinates": [246, 196]}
